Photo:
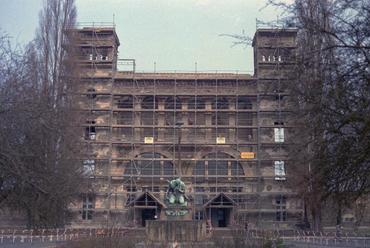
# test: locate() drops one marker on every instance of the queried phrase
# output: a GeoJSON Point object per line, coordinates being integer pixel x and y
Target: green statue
{"type": "Point", "coordinates": [176, 193]}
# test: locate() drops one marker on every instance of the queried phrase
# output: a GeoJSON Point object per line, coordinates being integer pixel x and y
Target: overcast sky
{"type": "Point", "coordinates": [173, 33]}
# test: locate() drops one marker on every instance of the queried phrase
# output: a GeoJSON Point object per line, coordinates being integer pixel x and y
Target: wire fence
{"type": "Point", "coordinates": [58, 235]}
{"type": "Point", "coordinates": [299, 238]}
{"type": "Point", "coordinates": [328, 239]}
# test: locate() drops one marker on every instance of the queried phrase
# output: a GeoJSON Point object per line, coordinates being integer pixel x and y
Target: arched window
{"type": "Point", "coordinates": [220, 103]}
{"type": "Point", "coordinates": [149, 102]}
{"type": "Point", "coordinates": [236, 169]}
{"type": "Point", "coordinates": [218, 164]}
{"type": "Point", "coordinates": [244, 102]}
{"type": "Point", "coordinates": [199, 169]}
{"type": "Point", "coordinates": [172, 103]}
{"type": "Point", "coordinates": [196, 103]}
{"type": "Point", "coordinates": [124, 102]}
{"type": "Point", "coordinates": [149, 163]}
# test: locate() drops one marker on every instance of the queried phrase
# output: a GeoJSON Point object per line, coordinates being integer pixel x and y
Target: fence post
{"type": "Point", "coordinates": [22, 236]}
{"type": "Point", "coordinates": [13, 236]}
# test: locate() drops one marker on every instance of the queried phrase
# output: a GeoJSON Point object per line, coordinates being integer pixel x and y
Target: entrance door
{"type": "Point", "coordinates": [221, 217]}
{"type": "Point", "coordinates": [147, 214]}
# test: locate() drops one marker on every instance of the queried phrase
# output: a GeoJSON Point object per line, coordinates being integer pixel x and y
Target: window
{"type": "Point", "coordinates": [218, 164]}
{"type": "Point", "coordinates": [200, 168]}
{"type": "Point", "coordinates": [279, 95]}
{"type": "Point", "coordinates": [196, 103]}
{"type": "Point", "coordinates": [149, 102]}
{"type": "Point", "coordinates": [148, 118]}
{"type": "Point", "coordinates": [172, 103]}
{"type": "Point", "coordinates": [220, 118]}
{"type": "Point", "coordinates": [199, 215]}
{"type": "Point", "coordinates": [279, 134]}
{"type": "Point", "coordinates": [279, 170]}
{"type": "Point", "coordinates": [244, 102]}
{"type": "Point", "coordinates": [88, 167]}
{"type": "Point", "coordinates": [236, 169]}
{"type": "Point", "coordinates": [124, 102]}
{"type": "Point", "coordinates": [244, 119]}
{"type": "Point", "coordinates": [91, 93]}
{"type": "Point", "coordinates": [263, 58]}
{"type": "Point", "coordinates": [171, 118]}
{"type": "Point", "coordinates": [87, 206]}
{"type": "Point", "coordinates": [280, 203]}
{"type": "Point", "coordinates": [124, 118]}
{"type": "Point", "coordinates": [217, 167]}
{"type": "Point", "coordinates": [220, 103]}
{"type": "Point", "coordinates": [149, 163]}
{"type": "Point", "coordinates": [90, 132]}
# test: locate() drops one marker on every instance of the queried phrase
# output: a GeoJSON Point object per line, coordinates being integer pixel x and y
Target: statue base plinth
{"type": "Point", "coordinates": [176, 213]}
{"type": "Point", "coordinates": [175, 230]}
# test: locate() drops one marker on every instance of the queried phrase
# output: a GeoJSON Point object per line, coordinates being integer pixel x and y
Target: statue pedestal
{"type": "Point", "coordinates": [176, 213]}
{"type": "Point", "coordinates": [175, 230]}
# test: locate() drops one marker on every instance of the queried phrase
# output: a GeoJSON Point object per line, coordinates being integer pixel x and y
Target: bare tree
{"type": "Point", "coordinates": [40, 171]}
{"type": "Point", "coordinates": [332, 93]}
{"type": "Point", "coordinates": [330, 155]}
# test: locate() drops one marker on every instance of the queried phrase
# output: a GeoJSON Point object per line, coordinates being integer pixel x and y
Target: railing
{"type": "Point", "coordinates": [242, 72]}
{"type": "Point", "coordinates": [327, 239]}
{"type": "Point", "coordinates": [11, 236]}
{"type": "Point", "coordinates": [95, 25]}
{"type": "Point", "coordinates": [126, 65]}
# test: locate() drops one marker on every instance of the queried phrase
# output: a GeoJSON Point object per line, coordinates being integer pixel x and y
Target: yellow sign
{"type": "Point", "coordinates": [247, 155]}
{"type": "Point", "coordinates": [220, 140]}
{"type": "Point", "coordinates": [148, 140]}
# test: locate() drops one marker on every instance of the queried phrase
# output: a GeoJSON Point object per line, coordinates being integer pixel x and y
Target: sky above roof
{"type": "Point", "coordinates": [173, 34]}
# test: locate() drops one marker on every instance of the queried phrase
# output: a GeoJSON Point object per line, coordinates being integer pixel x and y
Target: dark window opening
{"type": "Point", "coordinates": [220, 118]}
{"type": "Point", "coordinates": [220, 103]}
{"type": "Point", "coordinates": [90, 132]}
{"type": "Point", "coordinates": [196, 103]}
{"type": "Point", "coordinates": [172, 103]}
{"type": "Point", "coordinates": [200, 168]}
{"type": "Point", "coordinates": [280, 203]}
{"type": "Point", "coordinates": [244, 102]}
{"type": "Point", "coordinates": [149, 102]}
{"type": "Point", "coordinates": [245, 119]}
{"type": "Point", "coordinates": [236, 169]}
{"type": "Point", "coordinates": [91, 93]}
{"type": "Point", "coordinates": [279, 95]}
{"type": "Point", "coordinates": [123, 118]}
{"type": "Point", "coordinates": [149, 164]}
{"type": "Point", "coordinates": [87, 206]}
{"type": "Point", "coordinates": [218, 164]}
{"type": "Point", "coordinates": [125, 102]}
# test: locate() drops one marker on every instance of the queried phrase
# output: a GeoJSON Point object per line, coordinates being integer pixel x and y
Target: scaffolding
{"type": "Point", "coordinates": [215, 130]}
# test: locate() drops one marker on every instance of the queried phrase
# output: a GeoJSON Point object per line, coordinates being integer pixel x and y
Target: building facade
{"type": "Point", "coordinates": [224, 134]}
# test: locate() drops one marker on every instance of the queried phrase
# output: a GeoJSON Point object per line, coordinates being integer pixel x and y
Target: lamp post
{"type": "Point", "coordinates": [178, 126]}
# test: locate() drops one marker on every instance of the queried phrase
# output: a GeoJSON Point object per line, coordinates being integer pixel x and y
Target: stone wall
{"type": "Point", "coordinates": [174, 230]}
